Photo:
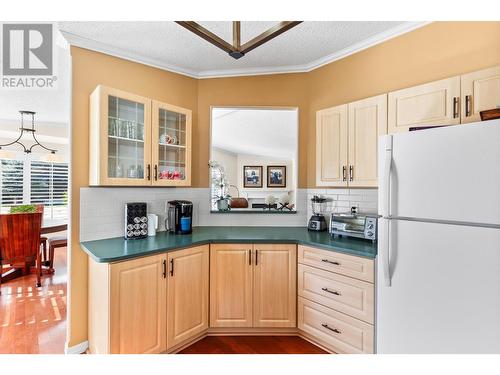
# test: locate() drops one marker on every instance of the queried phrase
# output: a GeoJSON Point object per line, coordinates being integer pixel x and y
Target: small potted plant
{"type": "Point", "coordinates": [219, 180]}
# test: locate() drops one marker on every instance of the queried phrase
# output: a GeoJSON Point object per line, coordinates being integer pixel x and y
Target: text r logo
{"type": "Point", "coordinates": [27, 49]}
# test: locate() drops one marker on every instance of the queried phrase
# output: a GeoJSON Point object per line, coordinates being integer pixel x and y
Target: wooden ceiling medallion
{"type": "Point", "coordinates": [236, 50]}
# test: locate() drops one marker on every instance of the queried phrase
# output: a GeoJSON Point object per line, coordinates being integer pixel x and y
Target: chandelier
{"type": "Point", "coordinates": [30, 130]}
{"type": "Point", "coordinates": [237, 50]}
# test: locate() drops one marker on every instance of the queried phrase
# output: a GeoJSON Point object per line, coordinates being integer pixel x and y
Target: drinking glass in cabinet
{"type": "Point", "coordinates": [126, 138]}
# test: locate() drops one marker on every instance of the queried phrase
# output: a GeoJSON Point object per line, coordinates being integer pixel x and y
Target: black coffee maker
{"type": "Point", "coordinates": [179, 217]}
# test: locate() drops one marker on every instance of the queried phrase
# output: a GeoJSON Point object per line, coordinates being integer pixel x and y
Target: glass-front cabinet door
{"type": "Point", "coordinates": [124, 138]}
{"type": "Point", "coordinates": [171, 143]}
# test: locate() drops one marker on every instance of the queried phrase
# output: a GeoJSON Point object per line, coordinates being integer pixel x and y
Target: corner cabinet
{"type": "Point", "coordinates": [137, 141]}
{"type": "Point", "coordinates": [346, 142]}
{"type": "Point", "coordinates": [253, 285]}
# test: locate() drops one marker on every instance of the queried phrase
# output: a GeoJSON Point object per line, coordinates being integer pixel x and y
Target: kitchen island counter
{"type": "Point", "coordinates": [117, 249]}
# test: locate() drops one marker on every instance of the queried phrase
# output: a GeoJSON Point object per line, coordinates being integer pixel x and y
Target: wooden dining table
{"type": "Point", "coordinates": [53, 228]}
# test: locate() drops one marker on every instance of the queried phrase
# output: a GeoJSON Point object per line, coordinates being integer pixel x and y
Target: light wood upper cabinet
{"type": "Point", "coordinates": [480, 91]}
{"type": "Point", "coordinates": [347, 142]}
{"type": "Point", "coordinates": [138, 306]}
{"type": "Point", "coordinates": [171, 145]}
{"type": "Point", "coordinates": [434, 103]}
{"type": "Point", "coordinates": [274, 290]}
{"type": "Point", "coordinates": [120, 138]}
{"type": "Point", "coordinates": [367, 121]}
{"type": "Point", "coordinates": [231, 274]}
{"type": "Point", "coordinates": [187, 294]}
{"type": "Point", "coordinates": [331, 146]}
{"type": "Point", "coordinates": [136, 141]}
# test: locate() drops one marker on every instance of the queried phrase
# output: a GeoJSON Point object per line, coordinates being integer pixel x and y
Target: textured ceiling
{"type": "Point", "coordinates": [168, 44]}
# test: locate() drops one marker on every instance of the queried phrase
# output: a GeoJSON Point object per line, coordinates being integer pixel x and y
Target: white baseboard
{"type": "Point", "coordinates": [77, 349]}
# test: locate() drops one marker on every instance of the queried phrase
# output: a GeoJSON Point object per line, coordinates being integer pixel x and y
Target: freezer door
{"type": "Point", "coordinates": [448, 173]}
{"type": "Point", "coordinates": [444, 295]}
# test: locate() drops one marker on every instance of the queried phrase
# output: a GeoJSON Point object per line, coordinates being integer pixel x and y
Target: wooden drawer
{"type": "Point", "coordinates": [337, 331]}
{"type": "Point", "coordinates": [348, 265]}
{"type": "Point", "coordinates": [344, 294]}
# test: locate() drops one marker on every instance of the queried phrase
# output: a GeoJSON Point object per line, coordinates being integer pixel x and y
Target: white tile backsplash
{"type": "Point", "coordinates": [102, 210]}
{"type": "Point", "coordinates": [341, 200]}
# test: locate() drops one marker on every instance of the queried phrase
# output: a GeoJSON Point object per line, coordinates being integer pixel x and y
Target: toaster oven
{"type": "Point", "coordinates": [354, 225]}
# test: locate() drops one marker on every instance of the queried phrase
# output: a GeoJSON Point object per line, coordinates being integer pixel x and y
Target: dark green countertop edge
{"type": "Point", "coordinates": [118, 249]}
{"type": "Point", "coordinates": [254, 211]}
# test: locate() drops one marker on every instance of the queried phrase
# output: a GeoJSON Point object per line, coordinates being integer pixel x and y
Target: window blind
{"type": "Point", "coordinates": [49, 186]}
{"type": "Point", "coordinates": [11, 179]}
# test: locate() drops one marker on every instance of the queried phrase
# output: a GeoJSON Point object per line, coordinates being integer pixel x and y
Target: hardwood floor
{"type": "Point", "coordinates": [252, 345]}
{"type": "Point", "coordinates": [33, 320]}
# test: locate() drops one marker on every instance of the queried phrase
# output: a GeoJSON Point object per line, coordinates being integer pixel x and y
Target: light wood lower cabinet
{"type": "Point", "coordinates": [144, 306]}
{"type": "Point", "coordinates": [252, 285]}
{"type": "Point", "coordinates": [336, 299]}
{"type": "Point", "coordinates": [335, 330]}
{"type": "Point", "coordinates": [127, 309]}
{"type": "Point", "coordinates": [344, 264]}
{"type": "Point", "coordinates": [187, 294]}
{"type": "Point", "coordinates": [344, 294]}
{"type": "Point", "coordinates": [274, 291]}
{"type": "Point", "coordinates": [231, 285]}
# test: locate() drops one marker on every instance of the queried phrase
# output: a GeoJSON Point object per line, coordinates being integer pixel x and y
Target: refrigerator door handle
{"type": "Point", "coordinates": [386, 182]}
{"type": "Point", "coordinates": [386, 248]}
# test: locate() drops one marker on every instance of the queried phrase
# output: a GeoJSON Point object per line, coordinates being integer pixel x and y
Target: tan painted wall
{"type": "Point", "coordinates": [436, 51]}
{"type": "Point", "coordinates": [89, 70]}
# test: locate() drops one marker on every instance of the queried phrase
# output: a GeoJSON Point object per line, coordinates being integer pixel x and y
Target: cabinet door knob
{"type": "Point", "coordinates": [351, 172]}
{"type": "Point", "coordinates": [172, 267]}
{"type": "Point", "coordinates": [256, 257]}
{"type": "Point", "coordinates": [156, 172]}
{"type": "Point", "coordinates": [249, 257]}
{"type": "Point", "coordinates": [344, 173]}
{"type": "Point", "coordinates": [149, 172]}
{"type": "Point", "coordinates": [164, 269]}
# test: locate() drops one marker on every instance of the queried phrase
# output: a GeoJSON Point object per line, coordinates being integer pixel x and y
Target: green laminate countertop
{"type": "Point", "coordinates": [116, 249]}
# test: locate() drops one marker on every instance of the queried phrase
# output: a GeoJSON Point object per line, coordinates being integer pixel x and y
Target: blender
{"type": "Point", "coordinates": [317, 222]}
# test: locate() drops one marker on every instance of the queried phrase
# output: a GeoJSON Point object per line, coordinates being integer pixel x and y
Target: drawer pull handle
{"type": "Point", "coordinates": [324, 325]}
{"type": "Point", "coordinates": [331, 291]}
{"type": "Point", "coordinates": [331, 262]}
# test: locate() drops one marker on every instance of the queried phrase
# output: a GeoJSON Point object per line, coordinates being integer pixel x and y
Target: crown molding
{"type": "Point", "coordinates": [107, 49]}
{"type": "Point", "coordinates": [82, 42]}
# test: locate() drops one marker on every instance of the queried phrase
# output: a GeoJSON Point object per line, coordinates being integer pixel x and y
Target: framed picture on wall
{"type": "Point", "coordinates": [276, 176]}
{"type": "Point", "coordinates": [252, 176]}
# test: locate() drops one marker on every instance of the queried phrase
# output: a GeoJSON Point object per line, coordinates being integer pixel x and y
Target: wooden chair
{"type": "Point", "coordinates": [52, 243]}
{"type": "Point", "coordinates": [20, 243]}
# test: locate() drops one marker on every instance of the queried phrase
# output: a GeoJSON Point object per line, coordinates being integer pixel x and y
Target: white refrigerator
{"type": "Point", "coordinates": [438, 263]}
